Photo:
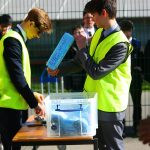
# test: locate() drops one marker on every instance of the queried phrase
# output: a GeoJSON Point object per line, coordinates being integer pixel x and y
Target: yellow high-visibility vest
{"type": "Point", "coordinates": [112, 89]}
{"type": "Point", "coordinates": [9, 96]}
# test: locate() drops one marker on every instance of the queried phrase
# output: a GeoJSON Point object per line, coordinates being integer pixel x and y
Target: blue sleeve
{"type": "Point", "coordinates": [136, 43]}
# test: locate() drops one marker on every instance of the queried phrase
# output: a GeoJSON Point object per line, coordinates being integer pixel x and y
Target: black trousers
{"type": "Point", "coordinates": [10, 123]}
{"type": "Point", "coordinates": [109, 134]}
{"type": "Point", "coordinates": [136, 92]}
{"type": "Point", "coordinates": [24, 115]}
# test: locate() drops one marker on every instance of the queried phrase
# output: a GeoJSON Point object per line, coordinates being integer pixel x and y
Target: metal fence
{"type": "Point", "coordinates": [65, 14]}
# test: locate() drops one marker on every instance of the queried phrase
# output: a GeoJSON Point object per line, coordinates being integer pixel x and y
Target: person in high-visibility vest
{"type": "Point", "coordinates": [15, 77]}
{"type": "Point", "coordinates": [107, 64]}
{"type": "Point", "coordinates": [6, 23]}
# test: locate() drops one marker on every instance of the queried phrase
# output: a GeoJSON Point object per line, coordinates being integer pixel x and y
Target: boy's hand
{"type": "Point", "coordinates": [39, 97]}
{"type": "Point", "coordinates": [52, 72]}
{"type": "Point", "coordinates": [81, 40]}
{"type": "Point", "coordinates": [40, 109]}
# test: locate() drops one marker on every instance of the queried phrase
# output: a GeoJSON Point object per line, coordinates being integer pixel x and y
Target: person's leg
{"type": "Point", "coordinates": [112, 134]}
{"type": "Point", "coordinates": [124, 131]}
{"type": "Point", "coordinates": [136, 98]}
{"type": "Point", "coordinates": [99, 136]}
{"type": "Point", "coordinates": [9, 125]}
{"type": "Point", "coordinates": [136, 92]}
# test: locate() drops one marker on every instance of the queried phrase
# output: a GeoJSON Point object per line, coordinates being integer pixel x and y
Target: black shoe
{"type": "Point", "coordinates": [135, 132]}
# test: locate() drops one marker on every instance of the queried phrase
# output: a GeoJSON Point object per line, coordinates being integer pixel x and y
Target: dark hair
{"type": "Point", "coordinates": [84, 12]}
{"type": "Point", "coordinates": [5, 20]}
{"type": "Point", "coordinates": [98, 5]}
{"type": "Point", "coordinates": [79, 26]}
{"type": "Point", "coordinates": [126, 25]}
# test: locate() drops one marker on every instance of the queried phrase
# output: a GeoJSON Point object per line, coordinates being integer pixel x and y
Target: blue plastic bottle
{"type": "Point", "coordinates": [60, 51]}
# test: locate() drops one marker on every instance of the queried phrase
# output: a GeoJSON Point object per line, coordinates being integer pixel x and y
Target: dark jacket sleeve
{"type": "Point", "coordinates": [13, 59]}
{"type": "Point", "coordinates": [69, 67]}
{"type": "Point", "coordinates": [137, 55]}
{"type": "Point", "coordinates": [112, 60]}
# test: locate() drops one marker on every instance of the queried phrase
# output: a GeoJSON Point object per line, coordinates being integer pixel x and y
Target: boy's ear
{"type": "Point", "coordinates": [32, 23]}
{"type": "Point", "coordinates": [104, 13]}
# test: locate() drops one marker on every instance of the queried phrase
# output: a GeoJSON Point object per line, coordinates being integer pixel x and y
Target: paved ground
{"type": "Point", "coordinates": [135, 144]}
{"type": "Point", "coordinates": [130, 144]}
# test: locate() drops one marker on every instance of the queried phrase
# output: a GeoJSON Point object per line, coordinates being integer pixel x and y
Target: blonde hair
{"type": "Point", "coordinates": [40, 18]}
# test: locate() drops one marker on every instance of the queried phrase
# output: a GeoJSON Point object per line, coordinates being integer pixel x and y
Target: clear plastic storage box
{"type": "Point", "coordinates": [71, 114]}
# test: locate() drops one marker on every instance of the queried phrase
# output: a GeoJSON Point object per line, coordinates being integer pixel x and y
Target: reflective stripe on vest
{"type": "Point", "coordinates": [113, 89]}
{"type": "Point", "coordinates": [9, 96]}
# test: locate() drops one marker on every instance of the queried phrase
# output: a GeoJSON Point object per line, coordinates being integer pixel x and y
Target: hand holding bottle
{"type": "Point", "coordinates": [53, 73]}
{"type": "Point", "coordinates": [81, 40]}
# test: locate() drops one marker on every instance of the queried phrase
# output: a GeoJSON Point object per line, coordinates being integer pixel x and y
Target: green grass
{"type": "Point", "coordinates": [37, 87]}
{"type": "Point", "coordinates": [146, 85]}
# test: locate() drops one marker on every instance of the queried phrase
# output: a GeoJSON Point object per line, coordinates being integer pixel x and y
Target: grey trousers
{"type": "Point", "coordinates": [109, 134]}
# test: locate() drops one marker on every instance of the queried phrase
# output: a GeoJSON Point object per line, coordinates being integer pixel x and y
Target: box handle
{"type": "Point", "coordinates": [69, 110]}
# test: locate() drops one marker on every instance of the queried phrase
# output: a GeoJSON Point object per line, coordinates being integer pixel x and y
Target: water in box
{"type": "Point", "coordinates": [71, 114]}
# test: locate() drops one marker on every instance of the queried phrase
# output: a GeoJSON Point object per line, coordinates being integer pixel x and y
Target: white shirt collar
{"type": "Point", "coordinates": [23, 32]}
{"type": "Point", "coordinates": [91, 30]}
{"type": "Point", "coordinates": [130, 39]}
